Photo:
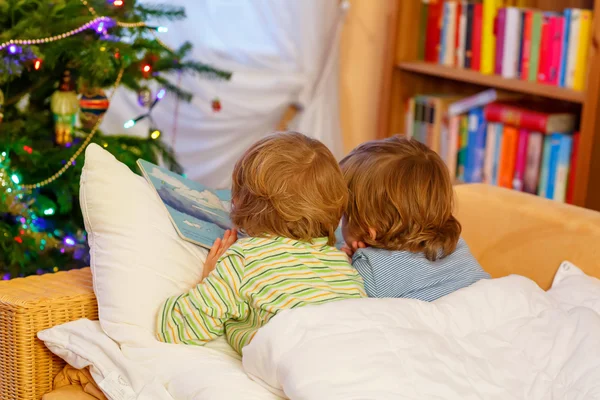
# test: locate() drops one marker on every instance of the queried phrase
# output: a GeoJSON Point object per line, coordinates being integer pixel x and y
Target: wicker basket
{"type": "Point", "coordinates": [27, 306]}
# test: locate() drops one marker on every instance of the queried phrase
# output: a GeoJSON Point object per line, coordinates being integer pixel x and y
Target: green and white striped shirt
{"type": "Point", "coordinates": [254, 280]}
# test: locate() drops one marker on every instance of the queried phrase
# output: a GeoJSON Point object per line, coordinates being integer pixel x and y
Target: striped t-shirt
{"type": "Point", "coordinates": [410, 275]}
{"type": "Point", "coordinates": [255, 279]}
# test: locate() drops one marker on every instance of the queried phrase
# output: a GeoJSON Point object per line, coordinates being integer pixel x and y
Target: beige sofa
{"type": "Point", "coordinates": [508, 232]}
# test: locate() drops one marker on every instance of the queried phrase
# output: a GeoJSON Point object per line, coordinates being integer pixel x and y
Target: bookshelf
{"type": "Point", "coordinates": [405, 76]}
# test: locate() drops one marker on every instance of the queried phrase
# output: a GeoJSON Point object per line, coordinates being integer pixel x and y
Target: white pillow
{"type": "Point", "coordinates": [573, 288]}
{"type": "Point", "coordinates": [137, 258]}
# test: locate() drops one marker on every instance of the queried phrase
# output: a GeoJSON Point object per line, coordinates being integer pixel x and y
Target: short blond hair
{"type": "Point", "coordinates": [289, 185]}
{"type": "Point", "coordinates": [402, 190]}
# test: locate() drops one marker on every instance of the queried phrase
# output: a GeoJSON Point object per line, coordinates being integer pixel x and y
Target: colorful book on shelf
{"type": "Point", "coordinates": [535, 147]}
{"type": "Point", "coordinates": [574, 29]}
{"type": "Point", "coordinates": [581, 64]}
{"type": "Point", "coordinates": [565, 48]}
{"type": "Point", "coordinates": [526, 44]}
{"type": "Point", "coordinates": [545, 166]}
{"type": "Point", "coordinates": [443, 33]}
{"type": "Point", "coordinates": [521, 160]}
{"type": "Point", "coordinates": [530, 118]}
{"type": "Point", "coordinates": [510, 45]}
{"type": "Point", "coordinates": [545, 49]}
{"type": "Point", "coordinates": [488, 46]}
{"type": "Point", "coordinates": [449, 33]}
{"type": "Point", "coordinates": [555, 144]}
{"type": "Point", "coordinates": [462, 35]}
{"type": "Point", "coordinates": [480, 99]}
{"type": "Point", "coordinates": [477, 39]}
{"type": "Point", "coordinates": [536, 41]}
{"type": "Point", "coordinates": [423, 29]}
{"type": "Point", "coordinates": [476, 147]}
{"type": "Point", "coordinates": [432, 41]}
{"type": "Point", "coordinates": [557, 31]}
{"type": "Point", "coordinates": [490, 149]}
{"type": "Point", "coordinates": [451, 156]}
{"type": "Point", "coordinates": [430, 115]}
{"type": "Point", "coordinates": [497, 153]}
{"type": "Point", "coordinates": [469, 36]}
{"type": "Point", "coordinates": [510, 140]}
{"type": "Point", "coordinates": [462, 148]}
{"type": "Point", "coordinates": [521, 40]}
{"type": "Point", "coordinates": [500, 34]}
{"type": "Point", "coordinates": [573, 169]}
{"type": "Point", "coordinates": [563, 163]}
{"type": "Point", "coordinates": [410, 118]}
{"type": "Point", "coordinates": [457, 14]}
{"type": "Point", "coordinates": [419, 118]}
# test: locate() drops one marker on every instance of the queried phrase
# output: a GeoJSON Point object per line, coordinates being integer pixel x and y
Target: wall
{"type": "Point", "coordinates": [361, 61]}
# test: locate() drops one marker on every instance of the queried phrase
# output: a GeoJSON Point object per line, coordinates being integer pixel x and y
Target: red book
{"type": "Point", "coordinates": [457, 34]}
{"type": "Point", "coordinates": [500, 31]}
{"type": "Point", "coordinates": [537, 121]}
{"type": "Point", "coordinates": [545, 50]}
{"type": "Point", "coordinates": [432, 43]}
{"type": "Point", "coordinates": [526, 45]}
{"type": "Point", "coordinates": [557, 31]}
{"type": "Point", "coordinates": [477, 32]}
{"type": "Point", "coordinates": [573, 169]}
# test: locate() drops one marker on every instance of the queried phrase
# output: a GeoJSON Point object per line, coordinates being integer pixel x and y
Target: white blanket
{"type": "Point", "coordinates": [498, 339]}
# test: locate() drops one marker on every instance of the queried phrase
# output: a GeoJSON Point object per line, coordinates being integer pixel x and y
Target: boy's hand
{"type": "Point", "coordinates": [218, 248]}
{"type": "Point", "coordinates": [351, 250]}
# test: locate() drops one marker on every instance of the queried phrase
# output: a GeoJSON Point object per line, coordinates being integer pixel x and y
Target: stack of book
{"type": "Point", "coordinates": [499, 140]}
{"type": "Point", "coordinates": [518, 43]}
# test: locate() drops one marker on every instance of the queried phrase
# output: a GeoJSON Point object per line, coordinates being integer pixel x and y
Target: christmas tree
{"type": "Point", "coordinates": [56, 61]}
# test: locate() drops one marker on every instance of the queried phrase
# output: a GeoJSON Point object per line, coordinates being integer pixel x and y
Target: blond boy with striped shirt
{"type": "Point", "coordinates": [288, 197]}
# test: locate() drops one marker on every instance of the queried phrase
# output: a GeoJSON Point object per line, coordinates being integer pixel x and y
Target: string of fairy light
{"type": "Point", "coordinates": [100, 24]}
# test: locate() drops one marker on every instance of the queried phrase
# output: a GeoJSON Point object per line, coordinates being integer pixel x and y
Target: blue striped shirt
{"type": "Point", "coordinates": [410, 275]}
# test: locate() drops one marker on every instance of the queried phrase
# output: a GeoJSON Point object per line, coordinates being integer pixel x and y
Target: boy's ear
{"type": "Point", "coordinates": [372, 233]}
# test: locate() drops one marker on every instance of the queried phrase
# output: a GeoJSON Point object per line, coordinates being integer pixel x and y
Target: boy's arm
{"type": "Point", "coordinates": [362, 265]}
{"type": "Point", "coordinates": [198, 316]}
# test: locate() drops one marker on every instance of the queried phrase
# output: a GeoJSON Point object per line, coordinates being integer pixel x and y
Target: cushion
{"type": "Point", "coordinates": [573, 288]}
{"type": "Point", "coordinates": [137, 257]}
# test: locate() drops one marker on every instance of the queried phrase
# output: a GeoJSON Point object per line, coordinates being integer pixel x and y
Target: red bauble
{"type": "Point", "coordinates": [216, 105]}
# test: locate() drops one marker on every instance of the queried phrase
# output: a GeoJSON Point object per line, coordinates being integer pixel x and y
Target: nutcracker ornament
{"type": "Point", "coordinates": [93, 105]}
{"type": "Point", "coordinates": [64, 105]}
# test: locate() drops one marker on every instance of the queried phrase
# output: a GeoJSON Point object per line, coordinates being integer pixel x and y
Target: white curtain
{"type": "Point", "coordinates": [281, 52]}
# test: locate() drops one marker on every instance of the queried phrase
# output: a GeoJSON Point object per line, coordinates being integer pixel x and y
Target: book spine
{"type": "Point", "coordinates": [464, 142]}
{"type": "Point", "coordinates": [562, 168]}
{"type": "Point", "coordinates": [521, 40]}
{"type": "Point", "coordinates": [423, 29]}
{"type": "Point", "coordinates": [545, 48]}
{"type": "Point", "coordinates": [490, 149]}
{"type": "Point", "coordinates": [427, 127]}
{"type": "Point", "coordinates": [471, 145]}
{"type": "Point", "coordinates": [419, 118]}
{"type": "Point", "coordinates": [526, 53]}
{"type": "Point", "coordinates": [535, 145]}
{"type": "Point", "coordinates": [510, 46]}
{"type": "Point", "coordinates": [521, 160]}
{"type": "Point", "coordinates": [462, 35]}
{"type": "Point", "coordinates": [479, 100]}
{"type": "Point", "coordinates": [545, 166]}
{"type": "Point", "coordinates": [557, 33]}
{"type": "Point", "coordinates": [507, 158]}
{"type": "Point", "coordinates": [435, 127]}
{"type": "Point", "coordinates": [469, 36]}
{"type": "Point", "coordinates": [565, 48]}
{"type": "Point", "coordinates": [536, 38]}
{"type": "Point", "coordinates": [450, 45]}
{"type": "Point", "coordinates": [581, 65]}
{"type": "Point", "coordinates": [500, 37]}
{"type": "Point", "coordinates": [458, 10]}
{"type": "Point", "coordinates": [553, 165]}
{"type": "Point", "coordinates": [573, 47]}
{"type": "Point", "coordinates": [444, 140]}
{"type": "Point", "coordinates": [476, 36]}
{"type": "Point", "coordinates": [453, 145]}
{"type": "Point", "coordinates": [497, 153]}
{"type": "Point", "coordinates": [432, 46]}
{"type": "Point", "coordinates": [443, 33]}
{"type": "Point", "coordinates": [479, 148]}
{"type": "Point", "coordinates": [526, 119]}
{"type": "Point", "coordinates": [410, 118]}
{"type": "Point", "coordinates": [488, 46]}
{"type": "Point", "coordinates": [573, 169]}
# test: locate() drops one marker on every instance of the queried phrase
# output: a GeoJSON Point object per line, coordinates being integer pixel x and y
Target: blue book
{"type": "Point", "coordinates": [562, 168]}
{"type": "Point", "coordinates": [545, 166]}
{"type": "Point", "coordinates": [476, 147]}
{"type": "Point", "coordinates": [565, 50]}
{"type": "Point", "coordinates": [443, 33]}
{"type": "Point", "coordinates": [200, 215]}
{"type": "Point", "coordinates": [555, 141]}
{"type": "Point", "coordinates": [497, 151]}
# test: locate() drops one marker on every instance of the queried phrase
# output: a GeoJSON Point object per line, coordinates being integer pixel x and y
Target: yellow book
{"type": "Point", "coordinates": [583, 50]}
{"type": "Point", "coordinates": [488, 40]}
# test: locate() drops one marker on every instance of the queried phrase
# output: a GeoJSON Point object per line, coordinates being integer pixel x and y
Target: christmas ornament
{"type": "Point", "coordinates": [93, 105]}
{"type": "Point", "coordinates": [64, 105]}
{"type": "Point", "coordinates": [148, 65]}
{"type": "Point", "coordinates": [216, 105]}
{"type": "Point", "coordinates": [145, 97]}
{"type": "Point", "coordinates": [1, 105]}
{"type": "Point", "coordinates": [154, 133]}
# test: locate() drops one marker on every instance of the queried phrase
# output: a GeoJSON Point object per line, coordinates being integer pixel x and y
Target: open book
{"type": "Point", "coordinates": [199, 214]}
